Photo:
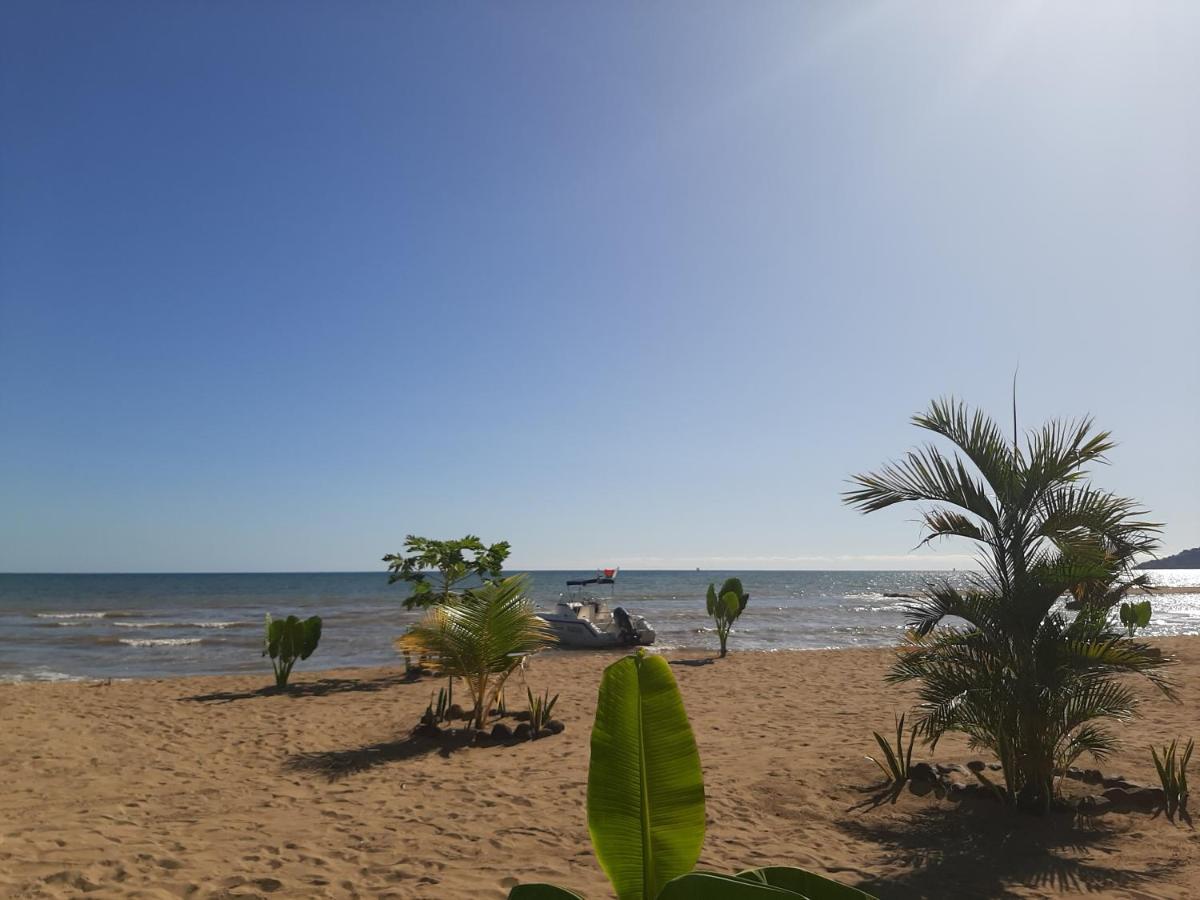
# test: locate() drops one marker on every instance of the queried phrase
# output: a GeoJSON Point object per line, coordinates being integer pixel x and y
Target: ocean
{"type": "Point", "coordinates": [60, 627]}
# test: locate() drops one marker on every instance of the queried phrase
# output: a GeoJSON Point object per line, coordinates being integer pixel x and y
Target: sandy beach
{"type": "Point", "coordinates": [206, 787]}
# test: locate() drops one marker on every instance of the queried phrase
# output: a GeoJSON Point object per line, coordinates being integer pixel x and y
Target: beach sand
{"type": "Point", "coordinates": [203, 787]}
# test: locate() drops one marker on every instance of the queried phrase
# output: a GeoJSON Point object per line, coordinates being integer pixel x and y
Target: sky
{"type": "Point", "coordinates": [623, 283]}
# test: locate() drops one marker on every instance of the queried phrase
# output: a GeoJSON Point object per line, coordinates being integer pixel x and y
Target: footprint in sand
{"type": "Point", "coordinates": [77, 880]}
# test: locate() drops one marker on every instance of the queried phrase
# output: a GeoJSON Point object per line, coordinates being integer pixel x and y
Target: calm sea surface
{"type": "Point", "coordinates": [56, 627]}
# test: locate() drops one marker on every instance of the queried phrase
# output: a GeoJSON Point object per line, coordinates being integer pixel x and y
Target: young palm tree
{"type": "Point", "coordinates": [1012, 672]}
{"type": "Point", "coordinates": [481, 636]}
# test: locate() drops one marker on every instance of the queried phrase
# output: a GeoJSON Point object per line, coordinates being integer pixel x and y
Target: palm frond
{"type": "Point", "coordinates": [924, 474]}
{"type": "Point", "coordinates": [977, 435]}
{"type": "Point", "coordinates": [1059, 452]}
{"type": "Point", "coordinates": [940, 523]}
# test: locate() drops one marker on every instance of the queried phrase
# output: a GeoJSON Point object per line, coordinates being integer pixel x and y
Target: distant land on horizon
{"type": "Point", "coordinates": [1184, 559]}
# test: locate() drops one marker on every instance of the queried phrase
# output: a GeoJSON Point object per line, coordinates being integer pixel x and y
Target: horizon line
{"type": "Point", "coordinates": [517, 570]}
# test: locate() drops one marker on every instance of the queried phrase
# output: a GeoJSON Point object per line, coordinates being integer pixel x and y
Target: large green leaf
{"type": "Point", "coordinates": [311, 636]}
{"type": "Point", "coordinates": [804, 883]}
{"type": "Point", "coordinates": [709, 886]}
{"type": "Point", "coordinates": [274, 634]}
{"type": "Point", "coordinates": [732, 585]}
{"type": "Point", "coordinates": [284, 637]}
{"type": "Point", "coordinates": [541, 892]}
{"type": "Point", "coordinates": [645, 787]}
{"type": "Point", "coordinates": [293, 639]}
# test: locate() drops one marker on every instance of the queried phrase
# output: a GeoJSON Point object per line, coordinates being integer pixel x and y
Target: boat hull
{"type": "Point", "coordinates": [577, 633]}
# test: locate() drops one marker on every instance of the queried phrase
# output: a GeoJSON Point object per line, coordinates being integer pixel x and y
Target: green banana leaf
{"type": "Point", "coordinates": [710, 886]}
{"type": "Point", "coordinates": [310, 636]}
{"type": "Point", "coordinates": [541, 892]}
{"type": "Point", "coordinates": [645, 789]}
{"type": "Point", "coordinates": [804, 883]}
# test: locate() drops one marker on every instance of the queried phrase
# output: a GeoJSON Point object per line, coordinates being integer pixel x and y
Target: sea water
{"type": "Point", "coordinates": [57, 627]}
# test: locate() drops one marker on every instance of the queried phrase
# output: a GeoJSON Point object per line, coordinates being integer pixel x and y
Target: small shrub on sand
{"type": "Point", "coordinates": [898, 759]}
{"type": "Point", "coordinates": [1172, 773]}
{"type": "Point", "coordinates": [540, 710]}
{"type": "Point", "coordinates": [481, 636]}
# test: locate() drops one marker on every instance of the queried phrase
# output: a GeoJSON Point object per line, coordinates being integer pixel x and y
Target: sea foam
{"type": "Point", "coordinates": [175, 624]}
{"type": "Point", "coordinates": [41, 673]}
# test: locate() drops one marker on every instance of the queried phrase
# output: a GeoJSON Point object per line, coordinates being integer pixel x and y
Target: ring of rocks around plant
{"type": "Point", "coordinates": [1085, 791]}
{"type": "Point", "coordinates": [500, 734]}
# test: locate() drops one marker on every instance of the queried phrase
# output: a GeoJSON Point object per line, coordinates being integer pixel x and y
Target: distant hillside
{"type": "Point", "coordinates": [1184, 559]}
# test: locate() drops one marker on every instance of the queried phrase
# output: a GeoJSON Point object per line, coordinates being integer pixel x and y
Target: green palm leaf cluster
{"type": "Point", "coordinates": [481, 636]}
{"type": "Point", "coordinates": [999, 659]}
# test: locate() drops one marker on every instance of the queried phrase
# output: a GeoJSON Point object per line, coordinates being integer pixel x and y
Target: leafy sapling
{"type": "Point", "coordinates": [1135, 616]}
{"type": "Point", "coordinates": [288, 640]}
{"type": "Point", "coordinates": [452, 561]}
{"type": "Point", "coordinates": [725, 607]}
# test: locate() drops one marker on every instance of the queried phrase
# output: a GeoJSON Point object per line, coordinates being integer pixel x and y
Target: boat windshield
{"type": "Point", "coordinates": [575, 586]}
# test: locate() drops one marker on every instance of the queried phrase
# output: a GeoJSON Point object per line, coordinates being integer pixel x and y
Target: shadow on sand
{"type": "Point", "coordinates": [337, 764]}
{"type": "Point", "coordinates": [980, 850]}
{"type": "Point", "coordinates": [319, 688]}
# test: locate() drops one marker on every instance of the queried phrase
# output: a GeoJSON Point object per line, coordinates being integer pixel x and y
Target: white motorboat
{"type": "Point", "coordinates": [585, 621]}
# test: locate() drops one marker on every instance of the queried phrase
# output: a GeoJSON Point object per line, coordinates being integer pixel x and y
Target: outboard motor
{"type": "Point", "coordinates": [629, 634]}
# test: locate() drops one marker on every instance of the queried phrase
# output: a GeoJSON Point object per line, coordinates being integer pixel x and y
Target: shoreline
{"type": "Point", "coordinates": [209, 786]}
{"type": "Point", "coordinates": [397, 668]}
{"type": "Point", "coordinates": [390, 668]}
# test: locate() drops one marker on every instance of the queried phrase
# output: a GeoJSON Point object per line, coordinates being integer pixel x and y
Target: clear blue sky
{"type": "Point", "coordinates": [622, 283]}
